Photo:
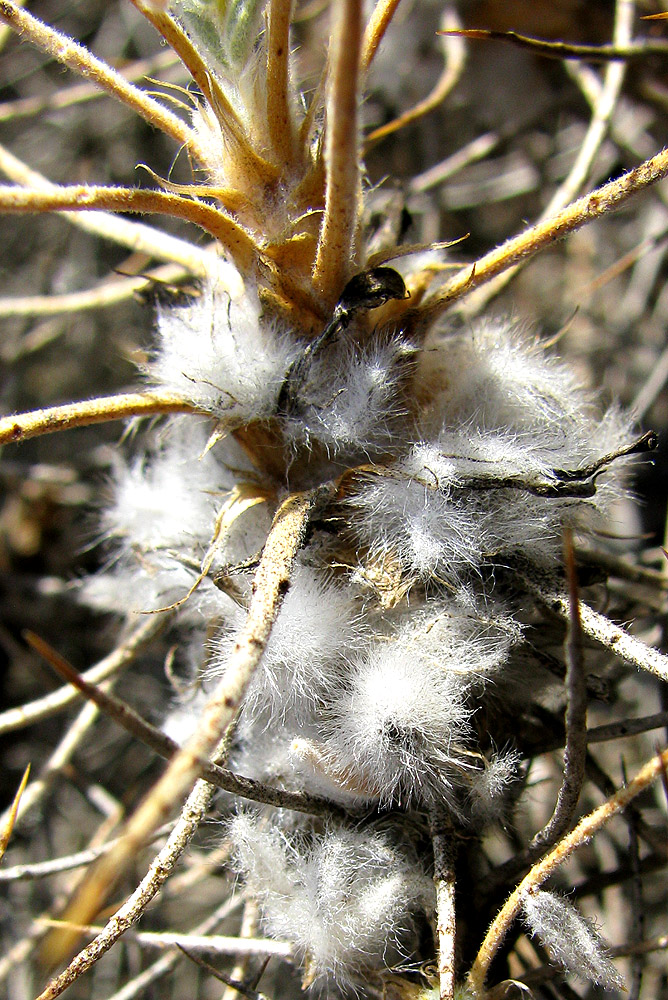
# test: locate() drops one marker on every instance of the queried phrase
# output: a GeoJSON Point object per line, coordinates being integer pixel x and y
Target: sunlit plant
{"type": "Point", "coordinates": [351, 513]}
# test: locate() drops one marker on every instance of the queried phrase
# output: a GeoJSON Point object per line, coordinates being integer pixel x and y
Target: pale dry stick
{"type": "Point", "coordinates": [541, 871]}
{"type": "Point", "coordinates": [603, 112]}
{"type": "Point", "coordinates": [212, 944]}
{"type": "Point", "coordinates": [164, 965]}
{"type": "Point", "coordinates": [83, 198]}
{"type": "Point", "coordinates": [248, 929]}
{"type": "Point", "coordinates": [599, 628]}
{"type": "Point", "coordinates": [338, 248]}
{"type": "Point", "coordinates": [159, 870]}
{"type": "Point", "coordinates": [270, 585]}
{"type": "Point", "coordinates": [280, 123]}
{"type": "Point", "coordinates": [23, 950]}
{"type": "Point", "coordinates": [473, 151]}
{"type": "Point", "coordinates": [575, 720]}
{"type": "Point", "coordinates": [599, 125]}
{"type": "Point", "coordinates": [54, 866]}
{"type": "Point", "coordinates": [78, 93]}
{"type": "Point", "coordinates": [107, 294]}
{"type": "Point", "coordinates": [21, 426]}
{"type": "Point", "coordinates": [165, 746]}
{"type": "Point", "coordinates": [56, 701]}
{"type": "Point", "coordinates": [61, 756]}
{"type": "Point", "coordinates": [375, 30]}
{"type": "Point", "coordinates": [200, 867]}
{"type": "Point", "coordinates": [579, 213]}
{"type": "Point", "coordinates": [77, 58]}
{"type": "Point", "coordinates": [651, 387]}
{"type": "Point", "coordinates": [575, 725]}
{"type": "Point", "coordinates": [443, 843]}
{"type": "Point", "coordinates": [455, 58]}
{"type": "Point", "coordinates": [136, 236]}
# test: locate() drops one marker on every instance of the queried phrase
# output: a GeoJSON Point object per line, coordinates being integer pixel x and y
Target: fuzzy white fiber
{"type": "Point", "coordinates": [468, 496]}
{"type": "Point", "coordinates": [316, 629]}
{"type": "Point", "coordinates": [351, 399]}
{"type": "Point", "coordinates": [401, 726]}
{"type": "Point", "coordinates": [346, 899]}
{"type": "Point", "coordinates": [571, 940]}
{"type": "Point", "coordinates": [220, 354]}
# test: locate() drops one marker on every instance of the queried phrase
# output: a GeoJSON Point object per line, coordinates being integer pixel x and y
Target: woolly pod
{"type": "Point", "coordinates": [572, 941]}
{"type": "Point", "coordinates": [221, 354]}
{"type": "Point", "coordinates": [346, 899]}
{"type": "Point", "coordinates": [319, 625]}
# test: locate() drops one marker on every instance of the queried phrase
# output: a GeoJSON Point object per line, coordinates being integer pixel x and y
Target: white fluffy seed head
{"type": "Point", "coordinates": [571, 940]}
{"type": "Point", "coordinates": [222, 354]}
{"type": "Point", "coordinates": [167, 499]}
{"type": "Point", "coordinates": [401, 727]}
{"type": "Point", "coordinates": [352, 398]}
{"type": "Point", "coordinates": [317, 627]}
{"type": "Point", "coordinates": [346, 899]}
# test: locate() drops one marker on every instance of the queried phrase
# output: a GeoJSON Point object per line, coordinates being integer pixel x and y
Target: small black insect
{"type": "Point", "coordinates": [366, 290]}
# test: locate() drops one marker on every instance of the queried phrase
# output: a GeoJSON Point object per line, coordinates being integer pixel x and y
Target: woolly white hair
{"type": "Point", "coordinates": [570, 938]}
{"type": "Point", "coordinates": [359, 407]}
{"type": "Point", "coordinates": [318, 624]}
{"type": "Point", "coordinates": [401, 726]}
{"type": "Point", "coordinates": [222, 355]}
{"type": "Point", "coordinates": [346, 899]}
{"type": "Point", "coordinates": [169, 498]}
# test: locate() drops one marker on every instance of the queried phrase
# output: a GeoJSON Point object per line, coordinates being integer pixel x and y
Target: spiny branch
{"type": "Point", "coordinates": [541, 871]}
{"type": "Point", "coordinates": [22, 426]}
{"type": "Point", "coordinates": [586, 209]}
{"type": "Point", "coordinates": [270, 585]}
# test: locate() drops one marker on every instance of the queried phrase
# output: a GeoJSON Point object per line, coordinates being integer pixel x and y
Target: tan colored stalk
{"type": "Point", "coordinates": [83, 198]}
{"type": "Point", "coordinates": [338, 249]}
{"type": "Point", "coordinates": [136, 236]}
{"type": "Point", "coordinates": [77, 58]}
{"type": "Point", "coordinates": [455, 56]}
{"type": "Point", "coordinates": [279, 116]}
{"type": "Point", "coordinates": [22, 426]}
{"type": "Point", "coordinates": [586, 209]}
{"type": "Point", "coordinates": [378, 24]}
{"type": "Point", "coordinates": [541, 871]}
{"type": "Point", "coordinates": [270, 585]}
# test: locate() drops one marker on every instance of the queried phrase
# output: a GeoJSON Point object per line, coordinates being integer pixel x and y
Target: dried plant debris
{"type": "Point", "coordinates": [373, 562]}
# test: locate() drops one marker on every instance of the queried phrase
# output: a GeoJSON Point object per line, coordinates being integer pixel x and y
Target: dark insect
{"type": "Point", "coordinates": [366, 290]}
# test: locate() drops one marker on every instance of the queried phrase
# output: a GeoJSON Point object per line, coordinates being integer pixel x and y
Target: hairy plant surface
{"type": "Point", "coordinates": [374, 563]}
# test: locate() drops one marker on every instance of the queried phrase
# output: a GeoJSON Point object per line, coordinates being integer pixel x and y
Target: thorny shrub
{"type": "Point", "coordinates": [361, 517]}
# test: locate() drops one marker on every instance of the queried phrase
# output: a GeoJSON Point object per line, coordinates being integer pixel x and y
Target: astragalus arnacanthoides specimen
{"type": "Point", "coordinates": [352, 512]}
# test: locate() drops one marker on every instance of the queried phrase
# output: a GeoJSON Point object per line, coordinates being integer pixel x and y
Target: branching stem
{"type": "Point", "coordinates": [22, 426]}
{"type": "Point", "coordinates": [586, 209]}
{"type": "Point", "coordinates": [337, 246]}
{"type": "Point", "coordinates": [82, 198]}
{"type": "Point", "coordinates": [272, 581]}
{"type": "Point", "coordinates": [541, 871]}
